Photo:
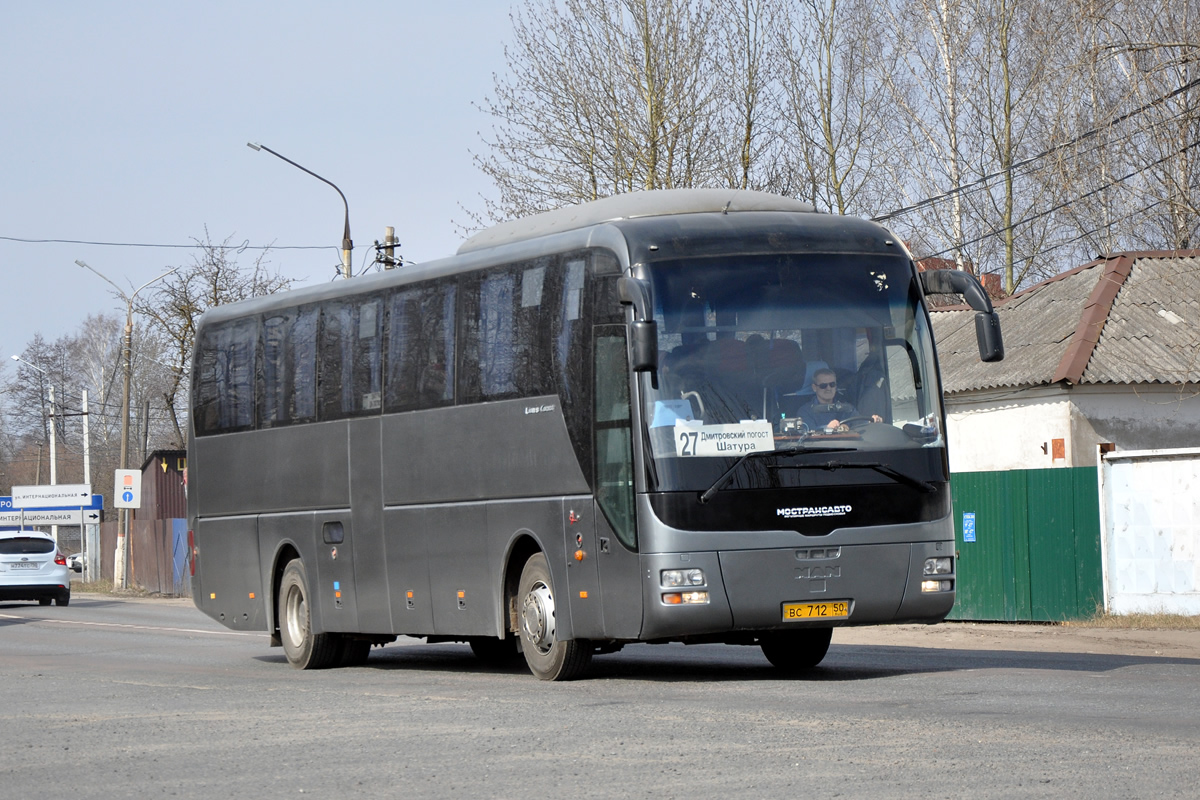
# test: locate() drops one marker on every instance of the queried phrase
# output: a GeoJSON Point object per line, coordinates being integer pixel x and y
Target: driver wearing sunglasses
{"type": "Point", "coordinates": [826, 412]}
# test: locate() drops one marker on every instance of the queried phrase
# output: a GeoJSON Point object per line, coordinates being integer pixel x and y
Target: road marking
{"type": "Point", "coordinates": [133, 627]}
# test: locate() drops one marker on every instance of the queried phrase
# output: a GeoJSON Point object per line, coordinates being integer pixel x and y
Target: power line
{"type": "Point", "coordinates": [1062, 145]}
{"type": "Point", "coordinates": [244, 246]}
{"type": "Point", "coordinates": [1064, 204]}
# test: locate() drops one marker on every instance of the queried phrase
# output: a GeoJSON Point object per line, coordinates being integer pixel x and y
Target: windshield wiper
{"type": "Point", "coordinates": [791, 451]}
{"type": "Point", "coordinates": [882, 469]}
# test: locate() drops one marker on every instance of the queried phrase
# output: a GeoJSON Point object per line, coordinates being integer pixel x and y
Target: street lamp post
{"type": "Point", "coordinates": [122, 565]}
{"type": "Point", "coordinates": [347, 245]}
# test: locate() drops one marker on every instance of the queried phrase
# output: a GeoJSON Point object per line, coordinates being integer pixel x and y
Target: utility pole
{"type": "Point", "coordinates": [121, 571]}
{"type": "Point", "coordinates": [90, 549]}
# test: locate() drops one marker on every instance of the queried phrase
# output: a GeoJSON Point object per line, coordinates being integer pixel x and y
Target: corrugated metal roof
{"type": "Point", "coordinates": [1127, 318]}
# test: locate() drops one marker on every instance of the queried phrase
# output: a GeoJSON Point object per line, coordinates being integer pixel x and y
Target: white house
{"type": "Point", "coordinates": [1108, 352]}
{"type": "Point", "coordinates": [1102, 370]}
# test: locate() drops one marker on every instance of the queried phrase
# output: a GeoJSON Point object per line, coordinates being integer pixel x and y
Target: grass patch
{"type": "Point", "coordinates": [1154, 621]}
{"type": "Point", "coordinates": [108, 587]}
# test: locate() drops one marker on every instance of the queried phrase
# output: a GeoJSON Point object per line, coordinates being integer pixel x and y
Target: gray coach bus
{"type": "Point", "coordinates": [591, 427]}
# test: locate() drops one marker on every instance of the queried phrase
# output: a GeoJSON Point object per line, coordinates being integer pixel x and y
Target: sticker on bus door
{"type": "Point", "coordinates": [698, 439]}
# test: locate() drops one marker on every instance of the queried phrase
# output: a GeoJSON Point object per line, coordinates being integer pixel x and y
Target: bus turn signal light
{"type": "Point", "coordinates": [685, 598]}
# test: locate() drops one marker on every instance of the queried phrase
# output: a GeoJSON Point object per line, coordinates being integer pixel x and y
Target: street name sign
{"type": "Point", "coordinates": [97, 503]}
{"type": "Point", "coordinates": [77, 516]}
{"type": "Point", "coordinates": [59, 495]}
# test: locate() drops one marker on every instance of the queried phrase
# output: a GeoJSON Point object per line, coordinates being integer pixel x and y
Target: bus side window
{"type": "Point", "coordinates": [614, 447]}
{"type": "Point", "coordinates": [420, 371]}
{"type": "Point", "coordinates": [505, 349]}
{"type": "Point", "coordinates": [224, 394]}
{"type": "Point", "coordinates": [287, 375]}
{"type": "Point", "coordinates": [351, 357]}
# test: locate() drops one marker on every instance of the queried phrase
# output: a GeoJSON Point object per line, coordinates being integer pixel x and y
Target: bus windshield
{"type": "Point", "coordinates": [789, 358]}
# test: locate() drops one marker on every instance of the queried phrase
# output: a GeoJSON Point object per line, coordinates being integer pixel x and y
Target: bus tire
{"type": "Point", "coordinates": [796, 651]}
{"type": "Point", "coordinates": [303, 648]}
{"type": "Point", "coordinates": [549, 658]}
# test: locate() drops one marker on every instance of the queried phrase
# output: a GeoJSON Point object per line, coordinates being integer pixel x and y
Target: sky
{"type": "Point", "coordinates": [127, 123]}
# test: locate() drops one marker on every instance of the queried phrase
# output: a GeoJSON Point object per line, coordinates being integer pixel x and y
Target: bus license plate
{"type": "Point", "coordinates": [833, 609]}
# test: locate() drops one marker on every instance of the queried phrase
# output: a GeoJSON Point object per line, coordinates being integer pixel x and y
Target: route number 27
{"type": "Point", "coordinates": [688, 443]}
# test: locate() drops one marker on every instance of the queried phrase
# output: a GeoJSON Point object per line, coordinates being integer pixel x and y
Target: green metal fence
{"type": "Point", "coordinates": [1028, 544]}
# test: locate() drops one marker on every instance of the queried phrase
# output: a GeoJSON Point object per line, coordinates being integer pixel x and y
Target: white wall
{"type": "Point", "coordinates": [1008, 429]}
{"type": "Point", "coordinates": [995, 431]}
{"type": "Point", "coordinates": [1150, 531]}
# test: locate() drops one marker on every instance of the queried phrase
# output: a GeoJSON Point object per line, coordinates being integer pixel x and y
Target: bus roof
{"type": "Point", "coordinates": [632, 205]}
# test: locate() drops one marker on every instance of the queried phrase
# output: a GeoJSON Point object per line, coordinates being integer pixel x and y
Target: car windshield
{"type": "Point", "coordinates": [25, 546]}
{"type": "Point", "coordinates": [806, 354]}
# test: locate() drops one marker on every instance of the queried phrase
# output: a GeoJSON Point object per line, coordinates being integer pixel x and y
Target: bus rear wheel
{"type": "Point", "coordinates": [796, 651]}
{"type": "Point", "coordinates": [303, 648]}
{"type": "Point", "coordinates": [548, 657]}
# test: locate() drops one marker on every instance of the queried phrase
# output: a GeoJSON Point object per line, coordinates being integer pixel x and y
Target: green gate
{"type": "Point", "coordinates": [1035, 553]}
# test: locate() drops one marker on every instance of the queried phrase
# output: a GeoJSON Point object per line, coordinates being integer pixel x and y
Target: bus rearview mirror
{"type": "Point", "coordinates": [987, 322]}
{"type": "Point", "coordinates": [987, 334]}
{"type": "Point", "coordinates": [645, 346]}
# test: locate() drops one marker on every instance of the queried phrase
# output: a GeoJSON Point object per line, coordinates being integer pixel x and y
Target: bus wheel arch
{"type": "Point", "coordinates": [549, 657]}
{"type": "Point", "coordinates": [303, 648]}
{"type": "Point", "coordinates": [285, 555]}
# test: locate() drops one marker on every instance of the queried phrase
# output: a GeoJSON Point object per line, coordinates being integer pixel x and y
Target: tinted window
{"type": "Point", "coordinates": [25, 546]}
{"type": "Point", "coordinates": [420, 358]}
{"type": "Point", "coordinates": [223, 398]}
{"type": "Point", "coordinates": [614, 448]}
{"type": "Point", "coordinates": [506, 333]}
{"type": "Point", "coordinates": [287, 377]}
{"type": "Point", "coordinates": [571, 342]}
{"type": "Point", "coordinates": [351, 357]}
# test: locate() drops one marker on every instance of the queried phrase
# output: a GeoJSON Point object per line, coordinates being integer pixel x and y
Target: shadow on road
{"type": "Point", "coordinates": [731, 663]}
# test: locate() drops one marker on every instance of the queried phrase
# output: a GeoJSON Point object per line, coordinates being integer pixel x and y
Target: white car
{"type": "Point", "coordinates": [32, 568]}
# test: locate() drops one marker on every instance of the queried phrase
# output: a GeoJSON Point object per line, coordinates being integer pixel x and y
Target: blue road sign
{"type": "Point", "coordinates": [968, 526]}
{"type": "Point", "coordinates": [6, 504]}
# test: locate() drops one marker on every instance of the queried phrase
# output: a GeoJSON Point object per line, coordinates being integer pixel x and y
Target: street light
{"type": "Point", "coordinates": [123, 537]}
{"type": "Point", "coordinates": [347, 245]}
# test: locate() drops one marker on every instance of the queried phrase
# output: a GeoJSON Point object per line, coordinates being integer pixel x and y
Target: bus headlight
{"type": "Point", "coordinates": [936, 586]}
{"type": "Point", "coordinates": [939, 566]}
{"type": "Point", "coordinates": [685, 598]}
{"type": "Point", "coordinates": [670, 578]}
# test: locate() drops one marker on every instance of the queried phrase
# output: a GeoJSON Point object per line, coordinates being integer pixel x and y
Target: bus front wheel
{"type": "Point", "coordinates": [303, 648]}
{"type": "Point", "coordinates": [548, 657]}
{"type": "Point", "coordinates": [798, 650]}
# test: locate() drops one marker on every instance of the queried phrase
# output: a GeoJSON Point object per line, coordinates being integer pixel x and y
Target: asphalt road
{"type": "Point", "coordinates": [149, 698]}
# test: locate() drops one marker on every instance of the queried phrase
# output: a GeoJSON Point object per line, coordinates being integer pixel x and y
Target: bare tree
{"type": "Point", "coordinates": [1015, 100]}
{"type": "Point", "coordinates": [836, 107]}
{"type": "Point", "coordinates": [601, 97]}
{"type": "Point", "coordinates": [928, 88]}
{"type": "Point", "coordinates": [750, 137]}
{"type": "Point", "coordinates": [213, 278]}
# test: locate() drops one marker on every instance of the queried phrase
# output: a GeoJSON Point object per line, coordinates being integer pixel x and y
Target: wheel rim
{"type": "Point", "coordinates": [296, 616]}
{"type": "Point", "coordinates": [537, 618]}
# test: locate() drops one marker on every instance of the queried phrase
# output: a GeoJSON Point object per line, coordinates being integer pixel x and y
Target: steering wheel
{"type": "Point", "coordinates": [857, 422]}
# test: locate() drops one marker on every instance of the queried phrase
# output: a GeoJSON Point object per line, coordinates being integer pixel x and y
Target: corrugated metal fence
{"type": "Point", "coordinates": [1028, 544]}
{"type": "Point", "coordinates": [159, 555]}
